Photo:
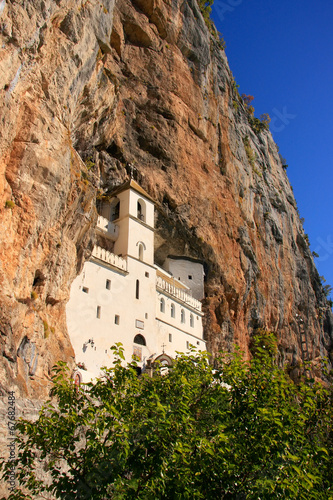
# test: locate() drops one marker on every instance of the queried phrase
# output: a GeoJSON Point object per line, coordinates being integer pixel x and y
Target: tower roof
{"type": "Point", "coordinates": [132, 184]}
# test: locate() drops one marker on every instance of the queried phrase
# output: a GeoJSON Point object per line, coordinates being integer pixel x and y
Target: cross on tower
{"type": "Point", "coordinates": [163, 346]}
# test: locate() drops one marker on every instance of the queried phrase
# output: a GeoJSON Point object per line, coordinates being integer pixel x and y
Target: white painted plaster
{"type": "Point", "coordinates": [93, 336]}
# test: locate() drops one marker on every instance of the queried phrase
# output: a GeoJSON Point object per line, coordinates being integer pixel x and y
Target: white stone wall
{"type": "Point", "coordinates": [92, 336]}
{"type": "Point", "coordinates": [183, 269]}
{"type": "Point", "coordinates": [132, 230]}
{"type": "Point", "coordinates": [104, 307]}
{"type": "Point", "coordinates": [182, 334]}
{"type": "Point", "coordinates": [121, 301]}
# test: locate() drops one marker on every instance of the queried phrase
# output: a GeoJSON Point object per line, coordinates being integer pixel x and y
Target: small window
{"type": "Point", "coordinates": [162, 305]}
{"type": "Point", "coordinates": [139, 339]}
{"type": "Point", "coordinates": [198, 343]}
{"type": "Point", "coordinates": [141, 252]}
{"type": "Point", "coordinates": [187, 344]}
{"type": "Point", "coordinates": [190, 276]}
{"type": "Point", "coordinates": [170, 337]}
{"type": "Point", "coordinates": [98, 312]}
{"type": "Point", "coordinates": [140, 212]}
{"type": "Point", "coordinates": [137, 289]}
{"type": "Point", "coordinates": [182, 316]}
{"type": "Point", "coordinates": [146, 315]}
{"type": "Point", "coordinates": [192, 321]}
{"type": "Point", "coordinates": [85, 289]}
{"type": "Point", "coordinates": [116, 319]}
{"type": "Point", "coordinates": [108, 284]}
{"type": "Point", "coordinates": [173, 311]}
{"type": "Point", "coordinates": [147, 274]}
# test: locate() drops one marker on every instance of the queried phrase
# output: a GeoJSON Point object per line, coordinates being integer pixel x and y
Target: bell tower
{"type": "Point", "coordinates": [132, 210]}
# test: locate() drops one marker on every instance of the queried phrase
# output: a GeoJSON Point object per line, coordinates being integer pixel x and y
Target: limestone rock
{"type": "Point", "coordinates": [89, 87]}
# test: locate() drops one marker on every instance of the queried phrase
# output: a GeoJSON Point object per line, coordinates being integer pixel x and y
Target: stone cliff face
{"type": "Point", "coordinates": [90, 87]}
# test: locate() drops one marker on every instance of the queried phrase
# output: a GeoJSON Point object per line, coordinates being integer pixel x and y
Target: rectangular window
{"type": "Point", "coordinates": [98, 312]}
{"type": "Point", "coordinates": [146, 315]}
{"type": "Point", "coordinates": [190, 276]}
{"type": "Point", "coordinates": [116, 319]}
{"type": "Point", "coordinates": [137, 289]}
{"type": "Point", "coordinates": [170, 337]}
{"type": "Point", "coordinates": [139, 324]}
{"type": "Point", "coordinates": [108, 284]}
{"type": "Point", "coordinates": [187, 344]}
{"type": "Point", "coordinates": [85, 289]}
{"type": "Point", "coordinates": [147, 274]}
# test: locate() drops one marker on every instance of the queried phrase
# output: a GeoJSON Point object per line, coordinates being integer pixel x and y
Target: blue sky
{"type": "Point", "coordinates": [281, 53]}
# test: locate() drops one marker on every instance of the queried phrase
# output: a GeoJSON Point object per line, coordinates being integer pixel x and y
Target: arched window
{"type": "Point", "coordinates": [182, 316]}
{"type": "Point", "coordinates": [140, 214]}
{"type": "Point", "coordinates": [162, 305]}
{"type": "Point", "coordinates": [139, 339]}
{"type": "Point", "coordinates": [137, 289]}
{"type": "Point", "coordinates": [140, 251]}
{"type": "Point", "coordinates": [173, 311]}
{"type": "Point", "coordinates": [141, 210]}
{"type": "Point", "coordinates": [192, 321]}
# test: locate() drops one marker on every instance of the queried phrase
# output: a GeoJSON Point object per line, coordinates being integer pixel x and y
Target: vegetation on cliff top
{"type": "Point", "coordinates": [205, 7]}
{"type": "Point", "coordinates": [237, 430]}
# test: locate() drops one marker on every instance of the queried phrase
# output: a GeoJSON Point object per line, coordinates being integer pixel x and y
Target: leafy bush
{"type": "Point", "coordinates": [327, 289]}
{"type": "Point", "coordinates": [239, 430]}
{"type": "Point", "coordinates": [10, 204]}
{"type": "Point", "coordinates": [257, 124]}
{"type": "Point", "coordinates": [205, 7]}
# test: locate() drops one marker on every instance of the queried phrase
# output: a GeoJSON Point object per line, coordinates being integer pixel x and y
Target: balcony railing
{"type": "Point", "coordinates": [108, 228]}
{"type": "Point", "coordinates": [178, 293]}
{"type": "Point", "coordinates": [110, 258]}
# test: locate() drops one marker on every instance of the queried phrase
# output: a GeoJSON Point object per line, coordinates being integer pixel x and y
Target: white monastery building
{"type": "Point", "coordinates": [123, 296]}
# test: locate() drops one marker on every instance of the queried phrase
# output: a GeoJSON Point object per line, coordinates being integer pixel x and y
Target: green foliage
{"type": "Point", "coordinates": [265, 120]}
{"type": "Point", "coordinates": [205, 7]}
{"type": "Point", "coordinates": [235, 104]}
{"type": "Point", "coordinates": [257, 124]}
{"type": "Point", "coordinates": [263, 341]}
{"type": "Point", "coordinates": [249, 151]}
{"type": "Point", "coordinates": [10, 204]}
{"type": "Point", "coordinates": [237, 431]}
{"type": "Point", "coordinates": [235, 88]}
{"type": "Point", "coordinates": [47, 329]}
{"type": "Point", "coordinates": [283, 161]}
{"type": "Point", "coordinates": [327, 289]}
{"type": "Point", "coordinates": [89, 163]}
{"type": "Point", "coordinates": [247, 99]}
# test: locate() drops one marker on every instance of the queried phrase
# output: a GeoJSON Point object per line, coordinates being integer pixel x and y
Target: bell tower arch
{"type": "Point", "coordinates": [136, 222]}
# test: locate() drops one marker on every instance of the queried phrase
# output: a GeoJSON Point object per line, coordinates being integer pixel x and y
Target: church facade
{"type": "Point", "coordinates": [123, 296]}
